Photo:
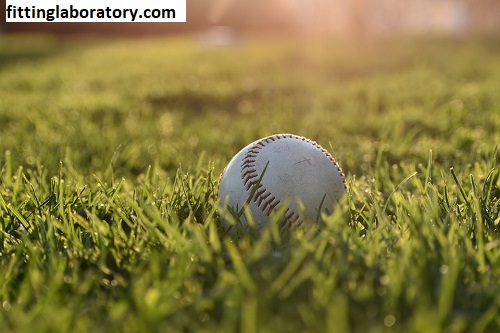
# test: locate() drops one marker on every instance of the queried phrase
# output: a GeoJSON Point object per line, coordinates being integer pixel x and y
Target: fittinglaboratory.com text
{"type": "Point", "coordinates": [73, 13]}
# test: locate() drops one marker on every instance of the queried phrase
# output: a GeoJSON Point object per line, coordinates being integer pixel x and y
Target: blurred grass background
{"type": "Point", "coordinates": [136, 103]}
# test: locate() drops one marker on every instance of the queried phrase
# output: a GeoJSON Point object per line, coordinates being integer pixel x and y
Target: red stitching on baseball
{"type": "Point", "coordinates": [290, 217]}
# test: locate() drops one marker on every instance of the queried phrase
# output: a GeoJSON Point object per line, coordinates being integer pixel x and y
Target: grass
{"type": "Point", "coordinates": [111, 150]}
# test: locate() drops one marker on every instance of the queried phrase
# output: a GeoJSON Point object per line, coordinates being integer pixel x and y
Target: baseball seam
{"type": "Point", "coordinates": [262, 196]}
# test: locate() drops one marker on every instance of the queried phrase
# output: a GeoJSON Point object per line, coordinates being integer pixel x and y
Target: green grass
{"type": "Point", "coordinates": [111, 150]}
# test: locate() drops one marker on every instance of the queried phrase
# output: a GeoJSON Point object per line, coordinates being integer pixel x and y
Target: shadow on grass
{"type": "Point", "coordinates": [18, 48]}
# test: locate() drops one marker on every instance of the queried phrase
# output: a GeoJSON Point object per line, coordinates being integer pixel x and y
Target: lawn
{"type": "Point", "coordinates": [111, 151]}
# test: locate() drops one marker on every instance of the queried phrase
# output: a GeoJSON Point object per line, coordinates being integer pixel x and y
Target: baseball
{"type": "Point", "coordinates": [277, 170]}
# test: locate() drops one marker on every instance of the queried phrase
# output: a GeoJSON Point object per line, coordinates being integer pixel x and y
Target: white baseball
{"type": "Point", "coordinates": [297, 170]}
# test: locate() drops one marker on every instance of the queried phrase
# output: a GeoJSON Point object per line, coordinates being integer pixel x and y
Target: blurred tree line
{"type": "Point", "coordinates": [333, 17]}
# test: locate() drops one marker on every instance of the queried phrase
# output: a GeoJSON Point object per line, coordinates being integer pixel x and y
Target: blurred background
{"type": "Point", "coordinates": [323, 17]}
